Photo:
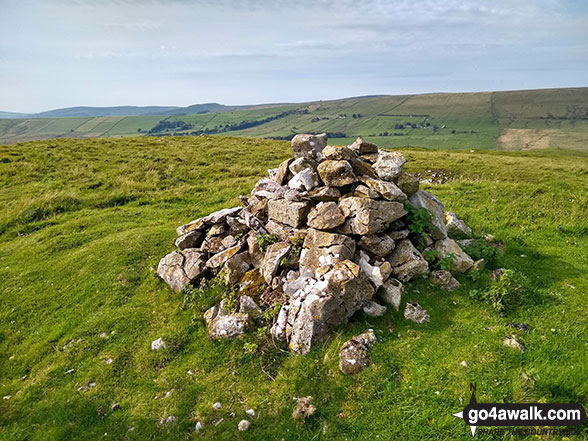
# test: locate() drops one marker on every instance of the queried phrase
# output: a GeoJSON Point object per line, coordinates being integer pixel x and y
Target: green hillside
{"type": "Point", "coordinates": [83, 224]}
{"type": "Point", "coordinates": [487, 120]}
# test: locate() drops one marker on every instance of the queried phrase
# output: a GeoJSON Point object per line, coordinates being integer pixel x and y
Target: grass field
{"type": "Point", "coordinates": [558, 118]}
{"type": "Point", "coordinates": [84, 223]}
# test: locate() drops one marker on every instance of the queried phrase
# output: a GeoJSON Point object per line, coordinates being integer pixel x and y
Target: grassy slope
{"type": "Point", "coordinates": [84, 223]}
{"type": "Point", "coordinates": [472, 120]}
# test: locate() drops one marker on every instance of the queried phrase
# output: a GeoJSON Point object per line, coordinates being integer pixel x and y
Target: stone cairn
{"type": "Point", "coordinates": [324, 235]}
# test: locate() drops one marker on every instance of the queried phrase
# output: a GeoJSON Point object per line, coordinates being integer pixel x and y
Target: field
{"type": "Point", "coordinates": [549, 118]}
{"type": "Point", "coordinates": [84, 223]}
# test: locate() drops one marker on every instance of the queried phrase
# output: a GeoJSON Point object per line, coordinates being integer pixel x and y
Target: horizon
{"type": "Point", "coordinates": [73, 53]}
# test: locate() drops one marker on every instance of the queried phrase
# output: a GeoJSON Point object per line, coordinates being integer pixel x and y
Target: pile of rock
{"type": "Point", "coordinates": [325, 235]}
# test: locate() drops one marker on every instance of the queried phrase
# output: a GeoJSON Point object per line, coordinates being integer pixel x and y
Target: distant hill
{"type": "Point", "coordinates": [526, 119]}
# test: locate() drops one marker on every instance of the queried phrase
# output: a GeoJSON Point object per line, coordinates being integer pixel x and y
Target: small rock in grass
{"type": "Point", "coordinates": [115, 407]}
{"type": "Point", "coordinates": [374, 309]}
{"type": "Point", "coordinates": [464, 363]}
{"type": "Point", "coordinates": [416, 313]}
{"type": "Point", "coordinates": [354, 355]}
{"type": "Point", "coordinates": [217, 405]}
{"type": "Point", "coordinates": [158, 344]}
{"type": "Point", "coordinates": [514, 342]}
{"type": "Point", "coordinates": [521, 326]}
{"type": "Point", "coordinates": [304, 409]}
{"type": "Point", "coordinates": [250, 412]}
{"type": "Point", "coordinates": [199, 426]}
{"type": "Point", "coordinates": [445, 280]}
{"type": "Point", "coordinates": [243, 425]}
{"type": "Point", "coordinates": [169, 420]}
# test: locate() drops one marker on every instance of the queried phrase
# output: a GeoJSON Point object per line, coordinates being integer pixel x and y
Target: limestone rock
{"type": "Point", "coordinates": [362, 168]}
{"type": "Point", "coordinates": [456, 227]}
{"type": "Point", "coordinates": [391, 292]}
{"type": "Point", "coordinates": [304, 180]}
{"type": "Point", "coordinates": [217, 229]}
{"type": "Point", "coordinates": [219, 259]}
{"type": "Point", "coordinates": [171, 270]}
{"type": "Point", "coordinates": [212, 218]}
{"type": "Point", "coordinates": [158, 344]}
{"type": "Point", "coordinates": [252, 284]}
{"type": "Point", "coordinates": [336, 173]}
{"type": "Point", "coordinates": [248, 306]}
{"type": "Point", "coordinates": [416, 313]}
{"type": "Point", "coordinates": [256, 254]}
{"type": "Point", "coordinates": [354, 354]}
{"type": "Point", "coordinates": [194, 263]}
{"type": "Point", "coordinates": [236, 267]}
{"type": "Point", "coordinates": [221, 324]}
{"type": "Point", "coordinates": [379, 244]}
{"type": "Point", "coordinates": [368, 216]}
{"type": "Point", "coordinates": [192, 239]}
{"type": "Point", "coordinates": [424, 199]}
{"type": "Point", "coordinates": [514, 342]}
{"type": "Point", "coordinates": [324, 194]}
{"type": "Point", "coordinates": [243, 425]}
{"type": "Point", "coordinates": [377, 274]}
{"type": "Point", "coordinates": [389, 165]}
{"type": "Point", "coordinates": [282, 172]}
{"type": "Point", "coordinates": [445, 280]}
{"type": "Point", "coordinates": [325, 216]}
{"type": "Point", "coordinates": [283, 232]}
{"type": "Point", "coordinates": [273, 256]}
{"type": "Point", "coordinates": [289, 213]}
{"type": "Point", "coordinates": [338, 153]}
{"type": "Point", "coordinates": [462, 262]}
{"type": "Point", "coordinates": [300, 164]}
{"type": "Point", "coordinates": [309, 146]}
{"type": "Point", "coordinates": [374, 309]}
{"type": "Point", "coordinates": [361, 191]}
{"type": "Point", "coordinates": [323, 249]}
{"type": "Point", "coordinates": [268, 189]}
{"type": "Point", "coordinates": [278, 329]}
{"type": "Point", "coordinates": [408, 183]}
{"type": "Point", "coordinates": [361, 146]}
{"type": "Point", "coordinates": [407, 262]}
{"type": "Point", "coordinates": [388, 190]}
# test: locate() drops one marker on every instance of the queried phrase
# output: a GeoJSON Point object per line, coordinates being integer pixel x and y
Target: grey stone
{"type": "Point", "coordinates": [514, 342]}
{"type": "Point", "coordinates": [368, 216]}
{"type": "Point", "coordinates": [361, 147]}
{"type": "Point", "coordinates": [256, 254]}
{"type": "Point", "coordinates": [324, 249]}
{"type": "Point", "coordinates": [300, 164]}
{"type": "Point", "coordinates": [379, 244]}
{"type": "Point", "coordinates": [192, 239]}
{"type": "Point", "coordinates": [236, 267]}
{"type": "Point", "coordinates": [248, 306]}
{"type": "Point", "coordinates": [445, 280]}
{"type": "Point", "coordinates": [212, 218]}
{"type": "Point", "coordinates": [361, 191]}
{"type": "Point", "coordinates": [462, 262]}
{"type": "Point", "coordinates": [408, 183]}
{"type": "Point", "coordinates": [336, 173]}
{"type": "Point", "coordinates": [456, 227]}
{"type": "Point", "coordinates": [415, 312]}
{"type": "Point", "coordinates": [309, 146]}
{"type": "Point", "coordinates": [273, 256]}
{"type": "Point", "coordinates": [391, 292]}
{"type": "Point", "coordinates": [324, 194]}
{"type": "Point", "coordinates": [194, 262]}
{"type": "Point", "coordinates": [374, 309]}
{"type": "Point", "coordinates": [424, 199]}
{"type": "Point", "coordinates": [338, 153]}
{"type": "Point", "coordinates": [219, 259]}
{"type": "Point", "coordinates": [158, 344]}
{"type": "Point", "coordinates": [325, 216]}
{"type": "Point", "coordinates": [304, 409]}
{"type": "Point", "coordinates": [305, 180]}
{"type": "Point", "coordinates": [282, 172]}
{"type": "Point", "coordinates": [407, 262]}
{"type": "Point", "coordinates": [388, 190]}
{"type": "Point", "coordinates": [289, 213]}
{"type": "Point", "coordinates": [389, 165]}
{"type": "Point", "coordinates": [278, 329]}
{"type": "Point", "coordinates": [171, 270]}
{"type": "Point", "coordinates": [354, 354]}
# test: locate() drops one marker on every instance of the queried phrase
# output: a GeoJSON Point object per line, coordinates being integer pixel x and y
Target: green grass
{"type": "Point", "coordinates": [84, 223]}
{"type": "Point", "coordinates": [470, 120]}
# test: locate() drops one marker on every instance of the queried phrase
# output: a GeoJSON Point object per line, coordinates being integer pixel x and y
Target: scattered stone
{"type": "Point", "coordinates": [169, 420]}
{"type": "Point", "coordinates": [243, 425]}
{"type": "Point", "coordinates": [464, 363]}
{"type": "Point", "coordinates": [521, 326]}
{"type": "Point", "coordinates": [114, 407]}
{"type": "Point", "coordinates": [497, 274]}
{"type": "Point", "coordinates": [456, 227]}
{"type": "Point", "coordinates": [336, 173]}
{"type": "Point", "coordinates": [354, 354]}
{"type": "Point", "coordinates": [198, 426]}
{"type": "Point", "coordinates": [217, 405]}
{"type": "Point", "coordinates": [389, 165]}
{"type": "Point", "coordinates": [250, 412]}
{"type": "Point", "coordinates": [445, 280]}
{"type": "Point", "coordinates": [391, 292]}
{"type": "Point", "coordinates": [278, 329]}
{"type": "Point", "coordinates": [374, 309]}
{"type": "Point", "coordinates": [514, 342]}
{"type": "Point", "coordinates": [158, 344]}
{"type": "Point", "coordinates": [69, 371]}
{"type": "Point", "coordinates": [304, 409]}
{"type": "Point", "coordinates": [416, 313]}
{"type": "Point", "coordinates": [109, 361]}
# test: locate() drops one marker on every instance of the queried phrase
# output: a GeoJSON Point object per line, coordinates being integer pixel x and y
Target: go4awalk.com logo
{"type": "Point", "coordinates": [536, 414]}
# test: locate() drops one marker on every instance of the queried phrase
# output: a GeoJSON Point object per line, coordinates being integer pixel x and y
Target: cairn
{"type": "Point", "coordinates": [325, 235]}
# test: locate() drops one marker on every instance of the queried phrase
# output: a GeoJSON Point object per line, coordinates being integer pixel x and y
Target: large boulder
{"type": "Point", "coordinates": [336, 173]}
{"type": "Point", "coordinates": [287, 212]}
{"type": "Point", "coordinates": [309, 146]}
{"type": "Point", "coordinates": [389, 165]}
{"type": "Point", "coordinates": [171, 270]}
{"type": "Point", "coordinates": [424, 199]}
{"type": "Point", "coordinates": [407, 262]}
{"type": "Point", "coordinates": [323, 249]}
{"type": "Point", "coordinates": [368, 216]}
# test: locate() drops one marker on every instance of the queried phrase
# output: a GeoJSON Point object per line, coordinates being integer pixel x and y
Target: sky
{"type": "Point", "coordinates": [61, 53]}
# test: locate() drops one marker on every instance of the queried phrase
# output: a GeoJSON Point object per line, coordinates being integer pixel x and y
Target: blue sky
{"type": "Point", "coordinates": [60, 53]}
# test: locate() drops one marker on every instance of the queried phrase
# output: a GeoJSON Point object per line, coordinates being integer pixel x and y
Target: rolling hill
{"type": "Point", "coordinates": [485, 120]}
